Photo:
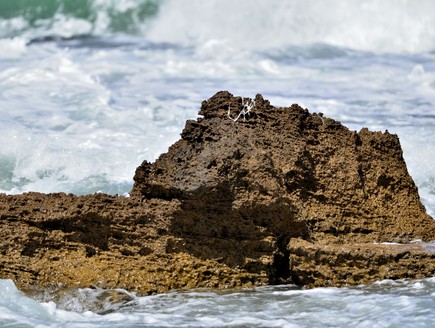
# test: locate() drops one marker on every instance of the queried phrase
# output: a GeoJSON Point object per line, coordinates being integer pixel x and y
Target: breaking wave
{"type": "Point", "coordinates": [378, 26]}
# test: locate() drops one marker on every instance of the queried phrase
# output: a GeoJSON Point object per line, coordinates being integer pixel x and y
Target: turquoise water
{"type": "Point", "coordinates": [38, 19]}
{"type": "Point", "coordinates": [89, 89]}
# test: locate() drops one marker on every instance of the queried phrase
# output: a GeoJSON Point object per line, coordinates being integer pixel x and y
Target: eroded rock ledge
{"type": "Point", "coordinates": [279, 196]}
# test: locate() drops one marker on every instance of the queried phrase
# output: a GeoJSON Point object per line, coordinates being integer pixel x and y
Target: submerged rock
{"type": "Point", "coordinates": [250, 195]}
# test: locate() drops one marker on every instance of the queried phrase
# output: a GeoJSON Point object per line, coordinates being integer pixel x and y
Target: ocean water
{"type": "Point", "coordinates": [384, 304]}
{"type": "Point", "coordinates": [89, 89]}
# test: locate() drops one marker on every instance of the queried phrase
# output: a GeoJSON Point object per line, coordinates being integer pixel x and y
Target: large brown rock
{"type": "Point", "coordinates": [277, 196]}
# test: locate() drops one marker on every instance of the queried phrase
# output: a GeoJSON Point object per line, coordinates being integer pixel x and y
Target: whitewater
{"type": "Point", "coordinates": [90, 89]}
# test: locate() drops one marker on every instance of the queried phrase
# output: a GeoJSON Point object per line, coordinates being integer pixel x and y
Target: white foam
{"type": "Point", "coordinates": [389, 303]}
{"type": "Point", "coordinates": [66, 133]}
{"type": "Point", "coordinates": [9, 27]}
{"type": "Point", "coordinates": [61, 26]}
{"type": "Point", "coordinates": [11, 48]}
{"type": "Point", "coordinates": [370, 25]}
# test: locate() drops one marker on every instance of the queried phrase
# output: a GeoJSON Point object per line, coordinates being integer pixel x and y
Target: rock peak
{"type": "Point", "coordinates": [224, 104]}
{"type": "Point", "coordinates": [290, 172]}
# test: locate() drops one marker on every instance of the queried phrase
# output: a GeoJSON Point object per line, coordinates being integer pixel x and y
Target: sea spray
{"type": "Point", "coordinates": [387, 26]}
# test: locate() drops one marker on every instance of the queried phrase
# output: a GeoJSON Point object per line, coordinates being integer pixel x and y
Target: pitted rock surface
{"type": "Point", "coordinates": [280, 195]}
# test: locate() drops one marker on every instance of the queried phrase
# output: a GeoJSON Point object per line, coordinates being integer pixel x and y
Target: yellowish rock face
{"type": "Point", "coordinates": [277, 195]}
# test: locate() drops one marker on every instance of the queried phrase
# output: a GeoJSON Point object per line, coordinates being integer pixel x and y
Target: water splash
{"type": "Point", "coordinates": [369, 25]}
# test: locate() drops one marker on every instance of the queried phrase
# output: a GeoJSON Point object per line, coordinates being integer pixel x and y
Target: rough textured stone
{"type": "Point", "coordinates": [278, 196]}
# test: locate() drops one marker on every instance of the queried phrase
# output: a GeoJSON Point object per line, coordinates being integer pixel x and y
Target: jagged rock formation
{"type": "Point", "coordinates": [277, 196]}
